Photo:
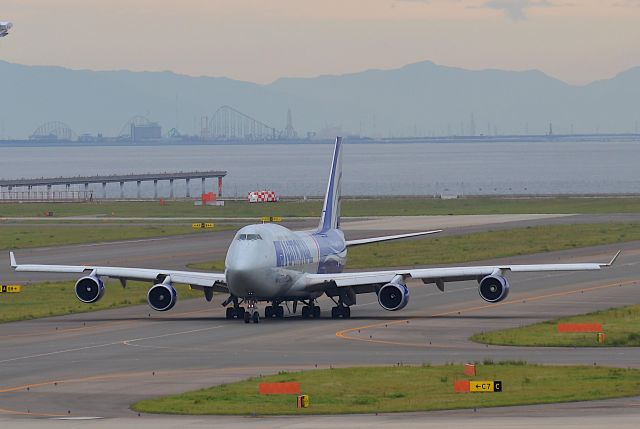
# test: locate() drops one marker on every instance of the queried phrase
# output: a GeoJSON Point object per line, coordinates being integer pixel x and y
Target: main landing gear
{"type": "Point", "coordinates": [235, 312]}
{"type": "Point", "coordinates": [340, 311]}
{"type": "Point", "coordinates": [311, 310]}
{"type": "Point", "coordinates": [274, 311]}
{"type": "Point", "coordinates": [251, 313]}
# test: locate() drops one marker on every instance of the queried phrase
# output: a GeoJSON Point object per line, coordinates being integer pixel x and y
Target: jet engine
{"type": "Point", "coordinates": [393, 296]}
{"type": "Point", "coordinates": [493, 288]}
{"type": "Point", "coordinates": [162, 297]}
{"type": "Point", "coordinates": [89, 289]}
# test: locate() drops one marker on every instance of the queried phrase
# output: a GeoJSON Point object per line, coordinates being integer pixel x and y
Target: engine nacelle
{"type": "Point", "coordinates": [393, 296]}
{"type": "Point", "coordinates": [162, 297]}
{"type": "Point", "coordinates": [89, 289]}
{"type": "Point", "coordinates": [493, 288]}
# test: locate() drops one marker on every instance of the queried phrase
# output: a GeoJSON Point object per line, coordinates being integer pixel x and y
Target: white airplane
{"type": "Point", "coordinates": [271, 263]}
{"type": "Point", "coordinates": [4, 28]}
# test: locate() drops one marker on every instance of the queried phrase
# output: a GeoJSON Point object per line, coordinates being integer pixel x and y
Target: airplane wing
{"type": "Point", "coordinates": [193, 278]}
{"type": "Point", "coordinates": [389, 237]}
{"type": "Point", "coordinates": [438, 275]}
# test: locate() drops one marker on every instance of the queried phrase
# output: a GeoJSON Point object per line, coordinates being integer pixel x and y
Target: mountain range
{"type": "Point", "coordinates": [418, 99]}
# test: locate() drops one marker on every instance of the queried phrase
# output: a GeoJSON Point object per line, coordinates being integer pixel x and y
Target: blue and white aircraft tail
{"type": "Point", "coordinates": [330, 218]}
{"type": "Point", "coordinates": [268, 262]}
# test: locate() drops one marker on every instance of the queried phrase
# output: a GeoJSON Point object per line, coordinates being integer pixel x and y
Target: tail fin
{"type": "Point", "coordinates": [331, 210]}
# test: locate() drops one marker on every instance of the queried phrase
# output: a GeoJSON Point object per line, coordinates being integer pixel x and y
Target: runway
{"type": "Point", "coordinates": [97, 364]}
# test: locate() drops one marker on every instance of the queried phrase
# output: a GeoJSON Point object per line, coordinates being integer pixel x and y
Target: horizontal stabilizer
{"type": "Point", "coordinates": [389, 237]}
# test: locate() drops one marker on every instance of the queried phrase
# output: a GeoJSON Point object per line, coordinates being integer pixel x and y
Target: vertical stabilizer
{"type": "Point", "coordinates": [331, 209]}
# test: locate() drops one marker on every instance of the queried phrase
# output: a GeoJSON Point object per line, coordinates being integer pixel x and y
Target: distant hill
{"type": "Point", "coordinates": [422, 98]}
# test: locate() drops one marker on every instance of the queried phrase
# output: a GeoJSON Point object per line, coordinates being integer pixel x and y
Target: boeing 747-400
{"type": "Point", "coordinates": [270, 263]}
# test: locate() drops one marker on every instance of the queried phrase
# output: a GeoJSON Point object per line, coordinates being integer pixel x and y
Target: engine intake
{"type": "Point", "coordinates": [493, 288]}
{"type": "Point", "coordinates": [393, 296]}
{"type": "Point", "coordinates": [162, 297]}
{"type": "Point", "coordinates": [89, 289]}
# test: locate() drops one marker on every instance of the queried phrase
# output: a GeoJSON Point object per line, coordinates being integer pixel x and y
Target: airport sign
{"type": "Point", "coordinates": [10, 289]}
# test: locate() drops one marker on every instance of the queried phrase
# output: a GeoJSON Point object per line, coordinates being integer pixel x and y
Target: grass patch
{"type": "Point", "coordinates": [435, 250]}
{"type": "Point", "coordinates": [403, 389]}
{"type": "Point", "coordinates": [217, 266]}
{"type": "Point", "coordinates": [58, 298]}
{"type": "Point", "coordinates": [350, 207]}
{"type": "Point", "coordinates": [490, 245]}
{"type": "Point", "coordinates": [21, 236]}
{"type": "Point", "coordinates": [621, 326]}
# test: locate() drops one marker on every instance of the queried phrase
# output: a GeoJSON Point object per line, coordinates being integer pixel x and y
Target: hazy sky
{"type": "Point", "coordinates": [260, 40]}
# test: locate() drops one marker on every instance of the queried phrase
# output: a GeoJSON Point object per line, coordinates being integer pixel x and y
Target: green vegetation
{"type": "Point", "coordinates": [208, 266]}
{"type": "Point", "coordinates": [404, 389]}
{"type": "Point", "coordinates": [23, 236]}
{"type": "Point", "coordinates": [484, 245]}
{"type": "Point", "coordinates": [490, 245]}
{"type": "Point", "coordinates": [350, 207]}
{"type": "Point", "coordinates": [56, 299]}
{"type": "Point", "coordinates": [621, 326]}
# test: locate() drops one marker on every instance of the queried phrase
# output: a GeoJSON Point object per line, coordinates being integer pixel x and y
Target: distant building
{"type": "Point", "coordinates": [150, 131]}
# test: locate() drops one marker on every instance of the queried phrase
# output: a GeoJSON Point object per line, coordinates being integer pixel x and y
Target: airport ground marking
{"type": "Point", "coordinates": [344, 334]}
{"type": "Point", "coordinates": [28, 413]}
{"type": "Point", "coordinates": [57, 352]}
{"type": "Point", "coordinates": [63, 331]}
{"type": "Point", "coordinates": [107, 377]}
{"type": "Point", "coordinates": [98, 325]}
{"type": "Point", "coordinates": [143, 374]}
{"type": "Point", "coordinates": [128, 342]}
{"type": "Point", "coordinates": [75, 349]}
{"type": "Point", "coordinates": [537, 297]}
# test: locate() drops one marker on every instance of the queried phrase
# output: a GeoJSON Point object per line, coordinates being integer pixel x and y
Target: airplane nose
{"type": "Point", "coordinates": [247, 271]}
{"type": "Point", "coordinates": [246, 282]}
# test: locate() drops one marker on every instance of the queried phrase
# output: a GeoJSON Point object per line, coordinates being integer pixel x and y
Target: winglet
{"type": "Point", "coordinates": [14, 264]}
{"type": "Point", "coordinates": [612, 259]}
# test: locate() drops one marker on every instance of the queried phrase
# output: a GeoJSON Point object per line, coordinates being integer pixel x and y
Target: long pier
{"type": "Point", "coordinates": [50, 182]}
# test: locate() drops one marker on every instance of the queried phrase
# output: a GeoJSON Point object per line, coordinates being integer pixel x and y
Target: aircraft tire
{"type": "Point", "coordinates": [240, 312]}
{"type": "Point", "coordinates": [268, 312]}
{"type": "Point", "coordinates": [231, 313]}
{"type": "Point", "coordinates": [305, 312]}
{"type": "Point", "coordinates": [346, 313]}
{"type": "Point", "coordinates": [334, 312]}
{"type": "Point", "coordinates": [256, 317]}
{"type": "Point", "coordinates": [316, 312]}
{"type": "Point", "coordinates": [247, 317]}
{"type": "Point", "coordinates": [279, 312]}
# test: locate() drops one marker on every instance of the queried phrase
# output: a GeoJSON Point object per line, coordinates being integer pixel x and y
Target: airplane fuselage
{"type": "Point", "coordinates": [4, 28]}
{"type": "Point", "coordinates": [269, 261]}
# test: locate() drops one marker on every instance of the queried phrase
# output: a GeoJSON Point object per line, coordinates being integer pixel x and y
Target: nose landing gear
{"type": "Point", "coordinates": [252, 314]}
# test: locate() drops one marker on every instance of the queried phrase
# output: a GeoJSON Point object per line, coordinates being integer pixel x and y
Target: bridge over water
{"type": "Point", "coordinates": [49, 182]}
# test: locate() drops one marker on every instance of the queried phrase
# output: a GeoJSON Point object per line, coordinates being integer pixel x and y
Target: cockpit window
{"type": "Point", "coordinates": [249, 237]}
